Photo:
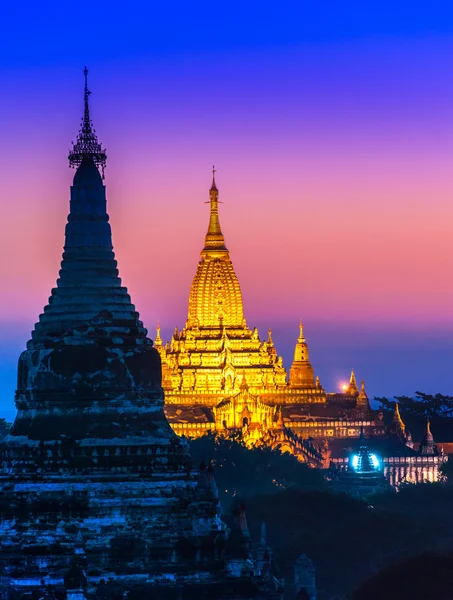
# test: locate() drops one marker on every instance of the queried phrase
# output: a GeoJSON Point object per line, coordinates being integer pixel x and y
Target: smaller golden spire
{"type": "Point", "coordinates": [397, 425]}
{"type": "Point", "coordinates": [363, 394]}
{"type": "Point", "coordinates": [269, 337]}
{"type": "Point", "coordinates": [301, 373]}
{"type": "Point", "coordinates": [353, 387]}
{"type": "Point", "coordinates": [301, 337]}
{"type": "Point", "coordinates": [158, 340]}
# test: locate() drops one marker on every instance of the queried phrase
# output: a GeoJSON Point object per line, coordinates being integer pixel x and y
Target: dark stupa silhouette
{"type": "Point", "coordinates": [98, 497]}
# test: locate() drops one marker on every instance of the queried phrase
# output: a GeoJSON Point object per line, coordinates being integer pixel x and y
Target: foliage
{"type": "Point", "coordinates": [414, 411]}
{"type": "Point", "coordinates": [422, 406]}
{"type": "Point", "coordinates": [349, 540]}
{"type": "Point", "coordinates": [425, 577]}
{"type": "Point", "coordinates": [246, 472]}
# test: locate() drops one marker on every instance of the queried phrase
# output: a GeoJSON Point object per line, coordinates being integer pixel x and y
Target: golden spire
{"type": "Point", "coordinates": [215, 299]}
{"type": "Point", "coordinates": [353, 387]}
{"type": "Point", "coordinates": [301, 349]}
{"type": "Point", "coordinates": [301, 338]}
{"type": "Point", "coordinates": [397, 425]}
{"type": "Point", "coordinates": [214, 242]}
{"type": "Point", "coordinates": [158, 340]}
{"type": "Point", "coordinates": [269, 337]}
{"type": "Point", "coordinates": [301, 373]}
{"type": "Point", "coordinates": [363, 394]}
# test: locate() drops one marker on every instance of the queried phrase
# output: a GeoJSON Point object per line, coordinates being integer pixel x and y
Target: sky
{"type": "Point", "coordinates": [331, 128]}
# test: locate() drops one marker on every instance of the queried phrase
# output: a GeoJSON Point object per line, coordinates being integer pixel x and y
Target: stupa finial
{"type": "Point", "coordinates": [213, 186]}
{"type": "Point", "coordinates": [214, 241]}
{"type": "Point", "coordinates": [86, 144]}
{"type": "Point", "coordinates": [301, 332]}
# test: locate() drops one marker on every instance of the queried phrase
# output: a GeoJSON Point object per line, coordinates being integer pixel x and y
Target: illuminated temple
{"type": "Point", "coordinates": [220, 376]}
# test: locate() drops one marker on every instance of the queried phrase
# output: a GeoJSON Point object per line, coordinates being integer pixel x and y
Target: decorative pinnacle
{"type": "Point", "coordinates": [214, 241]}
{"type": "Point", "coordinates": [87, 145]}
{"type": "Point", "coordinates": [213, 186]}
{"type": "Point", "coordinates": [301, 332]}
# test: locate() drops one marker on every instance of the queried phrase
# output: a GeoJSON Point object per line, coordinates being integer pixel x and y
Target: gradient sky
{"type": "Point", "coordinates": [331, 126]}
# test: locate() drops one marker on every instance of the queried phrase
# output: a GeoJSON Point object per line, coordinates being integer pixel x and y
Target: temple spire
{"type": "Point", "coordinates": [158, 339]}
{"type": "Point", "coordinates": [353, 387]}
{"type": "Point", "coordinates": [213, 186]}
{"type": "Point", "coordinates": [214, 241]}
{"type": "Point", "coordinates": [86, 145]}
{"type": "Point", "coordinates": [301, 337]}
{"type": "Point", "coordinates": [397, 426]}
{"type": "Point", "coordinates": [301, 373]}
{"type": "Point", "coordinates": [427, 445]}
{"type": "Point", "coordinates": [363, 395]}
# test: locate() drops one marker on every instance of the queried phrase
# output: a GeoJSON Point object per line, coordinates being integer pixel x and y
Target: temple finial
{"type": "Point", "coordinates": [214, 241]}
{"type": "Point", "coordinates": [301, 332]}
{"type": "Point", "coordinates": [213, 186]}
{"type": "Point", "coordinates": [86, 145]}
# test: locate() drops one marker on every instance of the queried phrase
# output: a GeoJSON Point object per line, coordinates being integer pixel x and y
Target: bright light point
{"type": "Point", "coordinates": [374, 460]}
{"type": "Point", "coordinates": [344, 387]}
{"type": "Point", "coordinates": [355, 461]}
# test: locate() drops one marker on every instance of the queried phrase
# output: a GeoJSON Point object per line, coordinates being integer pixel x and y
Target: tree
{"type": "Point", "coordinates": [425, 577]}
{"type": "Point", "coordinates": [414, 411]}
{"type": "Point", "coordinates": [247, 472]}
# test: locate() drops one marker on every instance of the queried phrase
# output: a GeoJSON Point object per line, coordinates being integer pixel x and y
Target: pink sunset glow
{"type": "Point", "coordinates": [335, 173]}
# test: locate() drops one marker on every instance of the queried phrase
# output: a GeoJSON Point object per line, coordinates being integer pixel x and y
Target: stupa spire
{"type": "Point", "coordinates": [353, 387]}
{"type": "Point", "coordinates": [427, 445]}
{"type": "Point", "coordinates": [86, 145]}
{"type": "Point", "coordinates": [301, 338]}
{"type": "Point", "coordinates": [214, 242]}
{"type": "Point", "coordinates": [397, 426]}
{"type": "Point", "coordinates": [363, 395]}
{"type": "Point", "coordinates": [158, 339]}
{"type": "Point", "coordinates": [301, 373]}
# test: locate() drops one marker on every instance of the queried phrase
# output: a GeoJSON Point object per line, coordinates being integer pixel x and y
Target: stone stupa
{"type": "Point", "coordinates": [98, 497]}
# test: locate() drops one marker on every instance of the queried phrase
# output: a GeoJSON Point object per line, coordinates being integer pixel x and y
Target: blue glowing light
{"type": "Point", "coordinates": [355, 461]}
{"type": "Point", "coordinates": [374, 460]}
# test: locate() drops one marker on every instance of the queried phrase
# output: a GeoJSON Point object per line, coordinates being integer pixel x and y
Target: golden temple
{"type": "Point", "coordinates": [218, 375]}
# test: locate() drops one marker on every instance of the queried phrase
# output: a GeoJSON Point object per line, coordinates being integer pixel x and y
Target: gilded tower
{"type": "Point", "coordinates": [217, 372]}
{"type": "Point", "coordinates": [216, 350]}
{"type": "Point", "coordinates": [219, 376]}
{"type": "Point", "coordinates": [301, 374]}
